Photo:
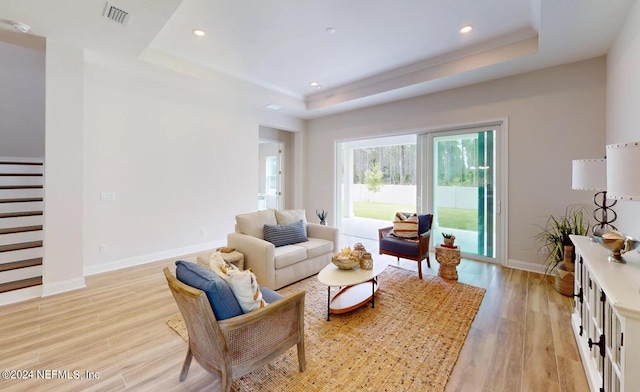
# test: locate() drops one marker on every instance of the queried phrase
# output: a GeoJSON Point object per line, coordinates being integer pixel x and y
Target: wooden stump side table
{"type": "Point", "coordinates": [448, 258]}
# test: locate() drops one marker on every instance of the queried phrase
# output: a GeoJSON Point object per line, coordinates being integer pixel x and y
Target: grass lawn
{"type": "Point", "coordinates": [451, 218]}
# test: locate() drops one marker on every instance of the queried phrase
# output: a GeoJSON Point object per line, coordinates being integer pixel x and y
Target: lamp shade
{"type": "Point", "coordinates": [623, 167]}
{"type": "Point", "coordinates": [589, 175]}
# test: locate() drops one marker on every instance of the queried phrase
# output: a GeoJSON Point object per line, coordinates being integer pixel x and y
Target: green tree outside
{"type": "Point", "coordinates": [373, 179]}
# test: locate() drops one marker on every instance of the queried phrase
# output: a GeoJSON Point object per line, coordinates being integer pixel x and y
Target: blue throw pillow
{"type": "Point", "coordinates": [280, 235]}
{"type": "Point", "coordinates": [269, 295]}
{"type": "Point", "coordinates": [424, 223]}
{"type": "Point", "coordinates": [223, 302]}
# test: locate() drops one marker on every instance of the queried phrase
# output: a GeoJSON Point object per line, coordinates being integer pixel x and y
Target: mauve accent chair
{"type": "Point", "coordinates": [411, 249]}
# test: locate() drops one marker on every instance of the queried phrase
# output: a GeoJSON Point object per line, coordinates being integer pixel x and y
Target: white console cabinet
{"type": "Point", "coordinates": [606, 317]}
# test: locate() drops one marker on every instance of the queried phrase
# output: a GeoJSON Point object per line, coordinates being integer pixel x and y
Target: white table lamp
{"type": "Point", "coordinates": [623, 166]}
{"type": "Point", "coordinates": [591, 175]}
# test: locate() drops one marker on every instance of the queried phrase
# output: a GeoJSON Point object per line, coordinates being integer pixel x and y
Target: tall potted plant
{"type": "Point", "coordinates": [555, 237]}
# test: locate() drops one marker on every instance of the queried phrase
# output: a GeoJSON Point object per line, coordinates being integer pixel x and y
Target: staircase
{"type": "Point", "coordinates": [21, 217]}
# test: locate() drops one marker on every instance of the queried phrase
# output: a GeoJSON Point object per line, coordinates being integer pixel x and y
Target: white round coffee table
{"type": "Point", "coordinates": [358, 286]}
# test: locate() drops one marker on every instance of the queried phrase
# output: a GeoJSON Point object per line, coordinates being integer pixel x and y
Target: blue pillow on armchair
{"type": "Point", "coordinates": [424, 223]}
{"type": "Point", "coordinates": [223, 302]}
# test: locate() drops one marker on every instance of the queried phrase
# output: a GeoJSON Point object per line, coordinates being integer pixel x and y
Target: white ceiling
{"type": "Point", "coordinates": [381, 51]}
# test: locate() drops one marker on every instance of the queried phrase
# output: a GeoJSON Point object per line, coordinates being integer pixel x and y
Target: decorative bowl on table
{"type": "Point", "coordinates": [618, 243]}
{"type": "Point", "coordinates": [346, 259]}
{"type": "Point", "coordinates": [345, 262]}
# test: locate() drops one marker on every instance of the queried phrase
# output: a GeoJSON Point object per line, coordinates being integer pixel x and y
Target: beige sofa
{"type": "Point", "coordinates": [276, 267]}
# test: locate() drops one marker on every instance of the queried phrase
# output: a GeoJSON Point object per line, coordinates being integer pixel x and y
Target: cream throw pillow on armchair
{"type": "Point", "coordinates": [244, 284]}
{"type": "Point", "coordinates": [246, 290]}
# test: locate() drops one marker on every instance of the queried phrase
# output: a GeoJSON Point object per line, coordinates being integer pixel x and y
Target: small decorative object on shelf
{"type": "Point", "coordinates": [618, 243]}
{"type": "Point", "coordinates": [322, 215]}
{"type": "Point", "coordinates": [358, 247]}
{"type": "Point", "coordinates": [366, 262]}
{"type": "Point", "coordinates": [449, 239]}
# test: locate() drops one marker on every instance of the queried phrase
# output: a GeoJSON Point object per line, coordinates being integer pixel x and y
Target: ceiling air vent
{"type": "Point", "coordinates": [116, 14]}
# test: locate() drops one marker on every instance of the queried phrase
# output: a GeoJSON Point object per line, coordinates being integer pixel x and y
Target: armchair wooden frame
{"type": "Point", "coordinates": [236, 346]}
{"type": "Point", "coordinates": [423, 242]}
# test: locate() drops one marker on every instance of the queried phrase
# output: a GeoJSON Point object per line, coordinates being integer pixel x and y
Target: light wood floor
{"type": "Point", "coordinates": [521, 339]}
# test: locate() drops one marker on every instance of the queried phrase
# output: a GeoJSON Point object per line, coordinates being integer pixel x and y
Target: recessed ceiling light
{"type": "Point", "coordinates": [331, 30]}
{"type": "Point", "coordinates": [199, 33]}
{"type": "Point", "coordinates": [466, 29]}
{"type": "Point", "coordinates": [314, 84]}
{"type": "Point", "coordinates": [21, 27]}
{"type": "Point", "coordinates": [273, 106]}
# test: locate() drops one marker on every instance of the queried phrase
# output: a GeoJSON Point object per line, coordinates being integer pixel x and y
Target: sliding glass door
{"type": "Point", "coordinates": [463, 189]}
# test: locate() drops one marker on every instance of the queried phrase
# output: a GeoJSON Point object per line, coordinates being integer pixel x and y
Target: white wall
{"type": "Point", "coordinates": [623, 97]}
{"type": "Point", "coordinates": [63, 177]}
{"type": "Point", "coordinates": [180, 154]}
{"type": "Point", "coordinates": [22, 101]}
{"type": "Point", "coordinates": [554, 116]}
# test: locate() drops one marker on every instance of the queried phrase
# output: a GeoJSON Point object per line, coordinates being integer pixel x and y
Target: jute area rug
{"type": "Point", "coordinates": [410, 341]}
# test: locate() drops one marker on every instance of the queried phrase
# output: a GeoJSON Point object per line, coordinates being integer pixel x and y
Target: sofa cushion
{"type": "Point", "coordinates": [280, 235]}
{"type": "Point", "coordinates": [317, 247]}
{"type": "Point", "coordinates": [253, 222]}
{"type": "Point", "coordinates": [288, 255]}
{"type": "Point", "coordinates": [286, 217]}
{"type": "Point", "coordinates": [223, 301]}
{"type": "Point", "coordinates": [399, 245]}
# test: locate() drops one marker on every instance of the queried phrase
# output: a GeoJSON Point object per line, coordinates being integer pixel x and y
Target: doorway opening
{"type": "Point", "coordinates": [270, 175]}
{"type": "Point", "coordinates": [376, 178]}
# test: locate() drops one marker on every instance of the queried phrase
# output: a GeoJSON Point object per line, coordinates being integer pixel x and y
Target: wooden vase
{"type": "Point", "coordinates": [568, 258]}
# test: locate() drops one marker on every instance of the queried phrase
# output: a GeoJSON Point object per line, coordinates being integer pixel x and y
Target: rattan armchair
{"type": "Point", "coordinates": [236, 346]}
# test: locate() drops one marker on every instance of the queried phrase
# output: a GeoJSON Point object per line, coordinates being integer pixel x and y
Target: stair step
{"type": "Point", "coordinates": [21, 174]}
{"type": "Point", "coordinates": [20, 246]}
{"type": "Point", "coordinates": [19, 214]}
{"type": "Point", "coordinates": [13, 230]}
{"type": "Point", "coordinates": [21, 163]}
{"type": "Point", "coordinates": [20, 264]}
{"type": "Point", "coordinates": [20, 186]}
{"type": "Point", "coordinates": [21, 200]}
{"type": "Point", "coordinates": [20, 284]}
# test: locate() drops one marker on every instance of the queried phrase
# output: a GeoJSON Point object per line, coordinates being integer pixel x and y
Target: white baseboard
{"type": "Point", "coordinates": [151, 257]}
{"type": "Point", "coordinates": [526, 266]}
{"type": "Point", "coordinates": [22, 159]}
{"type": "Point", "coordinates": [61, 287]}
{"type": "Point", "coordinates": [11, 297]}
